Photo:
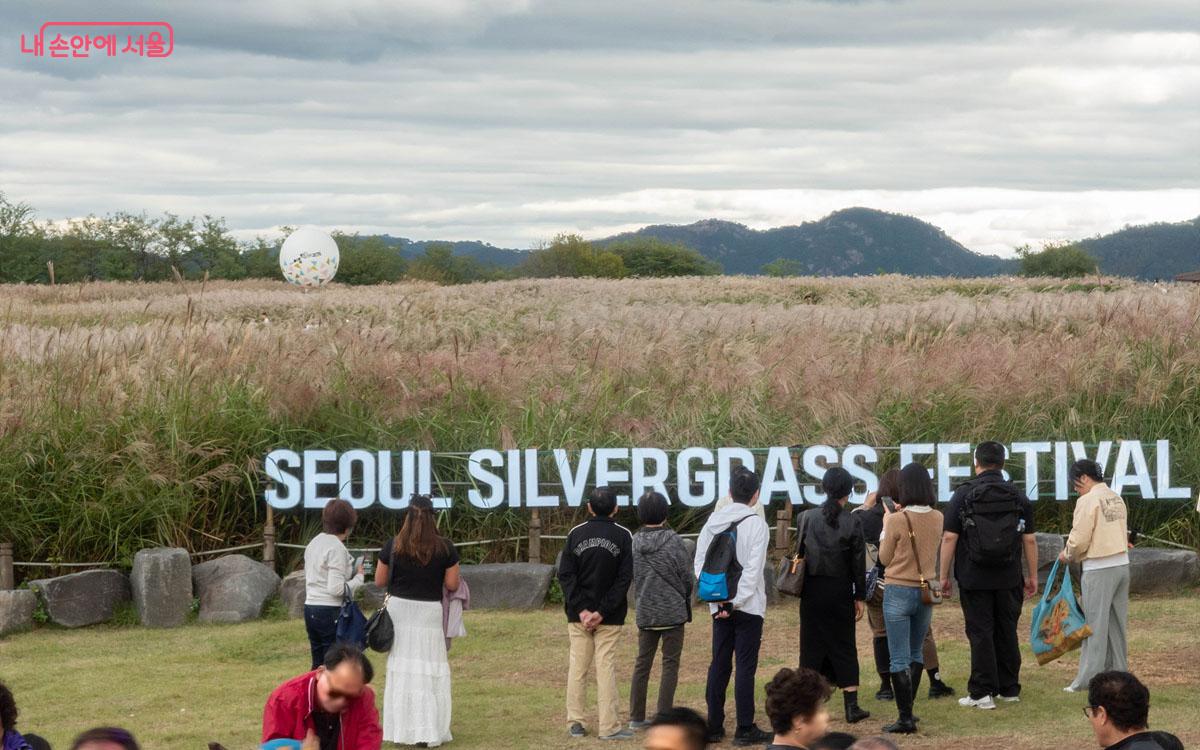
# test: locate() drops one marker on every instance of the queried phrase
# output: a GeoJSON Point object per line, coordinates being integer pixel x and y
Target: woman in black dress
{"type": "Point", "coordinates": [831, 543]}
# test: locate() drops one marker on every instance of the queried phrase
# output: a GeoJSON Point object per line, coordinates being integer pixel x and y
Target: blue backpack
{"type": "Point", "coordinates": [721, 571]}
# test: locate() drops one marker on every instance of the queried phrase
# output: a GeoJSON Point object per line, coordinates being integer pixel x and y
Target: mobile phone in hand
{"type": "Point", "coordinates": [888, 503]}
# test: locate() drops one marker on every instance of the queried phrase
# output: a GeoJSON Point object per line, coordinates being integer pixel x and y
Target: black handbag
{"type": "Point", "coordinates": [380, 630]}
{"type": "Point", "coordinates": [789, 573]}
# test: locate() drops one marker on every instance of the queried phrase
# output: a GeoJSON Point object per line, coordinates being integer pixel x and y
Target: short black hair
{"type": "Point", "coordinates": [695, 728]}
{"type": "Point", "coordinates": [1124, 698]}
{"type": "Point", "coordinates": [916, 488]}
{"type": "Point", "coordinates": [1085, 468]}
{"type": "Point", "coordinates": [343, 651]}
{"type": "Point", "coordinates": [652, 508]}
{"type": "Point", "coordinates": [792, 693]}
{"type": "Point", "coordinates": [990, 455]}
{"type": "Point", "coordinates": [743, 485]}
{"type": "Point", "coordinates": [115, 735]}
{"type": "Point", "coordinates": [36, 742]}
{"type": "Point", "coordinates": [603, 501]}
{"type": "Point", "coordinates": [834, 741]}
{"type": "Point", "coordinates": [8, 709]}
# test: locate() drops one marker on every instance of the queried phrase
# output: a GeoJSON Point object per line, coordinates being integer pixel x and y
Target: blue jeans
{"type": "Point", "coordinates": [321, 624]}
{"type": "Point", "coordinates": [907, 621]}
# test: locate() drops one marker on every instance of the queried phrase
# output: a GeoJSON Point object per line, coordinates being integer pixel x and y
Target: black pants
{"type": "Point", "coordinates": [739, 635]}
{"type": "Point", "coordinates": [827, 630]}
{"type": "Point", "coordinates": [672, 649]}
{"type": "Point", "coordinates": [321, 624]}
{"type": "Point", "coordinates": [991, 620]}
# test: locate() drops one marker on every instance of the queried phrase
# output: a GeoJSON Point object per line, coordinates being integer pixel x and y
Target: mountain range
{"type": "Point", "coordinates": [864, 241]}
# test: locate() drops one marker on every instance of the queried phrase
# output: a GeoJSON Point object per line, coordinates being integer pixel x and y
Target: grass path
{"type": "Point", "coordinates": [183, 688]}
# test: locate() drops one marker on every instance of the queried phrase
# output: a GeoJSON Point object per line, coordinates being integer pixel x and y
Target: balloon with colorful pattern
{"type": "Point", "coordinates": [309, 257]}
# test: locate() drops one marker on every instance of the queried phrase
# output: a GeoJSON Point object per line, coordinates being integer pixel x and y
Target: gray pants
{"type": "Point", "coordinates": [1106, 608]}
{"type": "Point", "coordinates": [672, 648]}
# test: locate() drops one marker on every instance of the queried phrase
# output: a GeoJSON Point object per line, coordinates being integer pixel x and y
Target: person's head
{"type": "Point", "coordinates": [743, 486]}
{"type": "Point", "coordinates": [602, 502]}
{"type": "Point", "coordinates": [837, 485]}
{"type": "Point", "coordinates": [338, 518]}
{"type": "Point", "coordinates": [989, 456]}
{"type": "Point", "coordinates": [677, 729]}
{"type": "Point", "coordinates": [343, 677]}
{"type": "Point", "coordinates": [796, 704]}
{"type": "Point", "coordinates": [889, 484]}
{"type": "Point", "coordinates": [418, 539]}
{"type": "Point", "coordinates": [875, 743]}
{"type": "Point", "coordinates": [652, 508]}
{"type": "Point", "coordinates": [1118, 706]}
{"type": "Point", "coordinates": [833, 741]}
{"type": "Point", "coordinates": [36, 742]}
{"type": "Point", "coordinates": [1085, 475]}
{"type": "Point", "coordinates": [105, 738]}
{"type": "Point", "coordinates": [8, 709]}
{"type": "Point", "coordinates": [916, 488]}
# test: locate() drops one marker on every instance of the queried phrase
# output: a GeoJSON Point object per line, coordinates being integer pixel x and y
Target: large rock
{"type": "Point", "coordinates": [508, 585]}
{"type": "Point", "coordinates": [371, 596]}
{"type": "Point", "coordinates": [16, 611]}
{"type": "Point", "coordinates": [1049, 545]}
{"type": "Point", "coordinates": [291, 592]}
{"type": "Point", "coordinates": [1162, 570]}
{"type": "Point", "coordinates": [86, 598]}
{"type": "Point", "coordinates": [161, 580]}
{"type": "Point", "coordinates": [233, 588]}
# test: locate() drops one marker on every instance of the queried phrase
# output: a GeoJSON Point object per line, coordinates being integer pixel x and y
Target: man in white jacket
{"type": "Point", "coordinates": [738, 623]}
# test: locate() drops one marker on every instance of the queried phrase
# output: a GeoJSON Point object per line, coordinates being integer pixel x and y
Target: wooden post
{"type": "Point", "coordinates": [8, 579]}
{"type": "Point", "coordinates": [269, 539]}
{"type": "Point", "coordinates": [782, 535]}
{"type": "Point", "coordinates": [50, 269]}
{"type": "Point", "coordinates": [535, 537]}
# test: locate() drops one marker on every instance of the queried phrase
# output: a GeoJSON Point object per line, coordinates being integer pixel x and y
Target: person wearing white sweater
{"type": "Point", "coordinates": [328, 575]}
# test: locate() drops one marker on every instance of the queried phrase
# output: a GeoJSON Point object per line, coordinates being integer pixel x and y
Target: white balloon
{"type": "Point", "coordinates": [309, 257]}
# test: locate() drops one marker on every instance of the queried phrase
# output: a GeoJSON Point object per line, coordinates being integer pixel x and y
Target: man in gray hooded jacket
{"type": "Point", "coordinates": [662, 584]}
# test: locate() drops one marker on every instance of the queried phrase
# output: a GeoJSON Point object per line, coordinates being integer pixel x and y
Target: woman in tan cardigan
{"type": "Point", "coordinates": [908, 550]}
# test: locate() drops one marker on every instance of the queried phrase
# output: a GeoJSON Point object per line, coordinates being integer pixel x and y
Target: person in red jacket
{"type": "Point", "coordinates": [331, 708]}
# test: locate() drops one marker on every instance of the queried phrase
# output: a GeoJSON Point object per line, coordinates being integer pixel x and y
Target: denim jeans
{"type": "Point", "coordinates": [907, 620]}
{"type": "Point", "coordinates": [321, 624]}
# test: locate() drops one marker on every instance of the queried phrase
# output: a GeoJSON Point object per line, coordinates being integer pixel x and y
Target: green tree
{"type": "Point", "coordinates": [570, 255]}
{"type": "Point", "coordinates": [367, 260]}
{"type": "Point", "coordinates": [1064, 261]}
{"type": "Point", "coordinates": [781, 267]}
{"type": "Point", "coordinates": [22, 241]}
{"type": "Point", "coordinates": [260, 259]}
{"type": "Point", "coordinates": [652, 257]}
{"type": "Point", "coordinates": [440, 265]}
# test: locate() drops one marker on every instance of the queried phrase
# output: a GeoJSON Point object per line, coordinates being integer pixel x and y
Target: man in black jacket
{"type": "Point", "coordinates": [595, 573]}
{"type": "Point", "coordinates": [1119, 710]}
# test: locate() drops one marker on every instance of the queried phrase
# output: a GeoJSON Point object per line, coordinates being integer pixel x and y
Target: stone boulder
{"type": "Point", "coordinates": [291, 592]}
{"type": "Point", "coordinates": [370, 596]}
{"type": "Point", "coordinates": [161, 580]}
{"type": "Point", "coordinates": [1049, 545]}
{"type": "Point", "coordinates": [81, 599]}
{"type": "Point", "coordinates": [233, 588]}
{"type": "Point", "coordinates": [1154, 570]}
{"type": "Point", "coordinates": [508, 585]}
{"type": "Point", "coordinates": [16, 611]}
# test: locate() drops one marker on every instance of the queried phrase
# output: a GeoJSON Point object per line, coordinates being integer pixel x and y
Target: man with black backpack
{"type": "Point", "coordinates": [987, 524]}
{"type": "Point", "coordinates": [730, 555]}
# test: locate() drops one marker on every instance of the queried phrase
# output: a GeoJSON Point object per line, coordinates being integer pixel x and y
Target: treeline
{"type": "Point", "coordinates": [136, 247]}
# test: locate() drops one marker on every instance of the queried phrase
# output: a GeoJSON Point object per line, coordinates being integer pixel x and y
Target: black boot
{"type": "Point", "coordinates": [937, 688]}
{"type": "Point", "coordinates": [854, 714]}
{"type": "Point", "coordinates": [915, 671]}
{"type": "Point", "coordinates": [883, 667]}
{"type": "Point", "coordinates": [902, 684]}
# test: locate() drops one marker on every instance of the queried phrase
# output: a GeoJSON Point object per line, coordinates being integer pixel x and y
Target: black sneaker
{"type": "Point", "coordinates": [885, 694]}
{"type": "Point", "coordinates": [577, 730]}
{"type": "Point", "coordinates": [715, 736]}
{"type": "Point", "coordinates": [939, 689]}
{"type": "Point", "coordinates": [752, 735]}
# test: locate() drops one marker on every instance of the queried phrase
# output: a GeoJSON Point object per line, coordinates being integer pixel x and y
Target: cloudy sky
{"type": "Point", "coordinates": [1005, 123]}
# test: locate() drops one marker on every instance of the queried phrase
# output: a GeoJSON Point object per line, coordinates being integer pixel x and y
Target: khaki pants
{"type": "Point", "coordinates": [599, 647]}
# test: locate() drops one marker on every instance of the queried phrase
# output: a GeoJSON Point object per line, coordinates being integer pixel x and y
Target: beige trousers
{"type": "Point", "coordinates": [597, 647]}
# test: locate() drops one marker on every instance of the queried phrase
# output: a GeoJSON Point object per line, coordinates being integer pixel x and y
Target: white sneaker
{"type": "Point", "coordinates": [1009, 698]}
{"type": "Point", "coordinates": [1069, 689]}
{"type": "Point", "coordinates": [985, 703]}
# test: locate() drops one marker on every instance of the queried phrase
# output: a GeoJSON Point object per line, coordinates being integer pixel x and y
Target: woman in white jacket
{"type": "Point", "coordinates": [328, 574]}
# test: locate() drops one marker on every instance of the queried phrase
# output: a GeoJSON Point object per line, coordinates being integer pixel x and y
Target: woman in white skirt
{"type": "Point", "coordinates": [415, 567]}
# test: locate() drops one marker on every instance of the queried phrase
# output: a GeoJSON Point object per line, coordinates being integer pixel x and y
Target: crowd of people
{"type": "Point", "coordinates": [880, 560]}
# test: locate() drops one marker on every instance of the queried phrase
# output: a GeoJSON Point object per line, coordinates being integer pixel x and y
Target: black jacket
{"type": "Point", "coordinates": [596, 570]}
{"type": "Point", "coordinates": [835, 551]}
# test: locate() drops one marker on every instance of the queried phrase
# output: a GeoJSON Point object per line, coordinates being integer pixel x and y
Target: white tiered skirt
{"type": "Point", "coordinates": [416, 698]}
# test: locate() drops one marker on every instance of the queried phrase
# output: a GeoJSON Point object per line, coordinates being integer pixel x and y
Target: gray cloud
{"type": "Point", "coordinates": [509, 120]}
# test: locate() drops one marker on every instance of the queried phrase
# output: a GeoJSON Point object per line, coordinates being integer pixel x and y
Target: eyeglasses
{"type": "Point", "coordinates": [1089, 711]}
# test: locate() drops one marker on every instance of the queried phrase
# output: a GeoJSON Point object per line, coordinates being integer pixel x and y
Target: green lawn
{"type": "Point", "coordinates": [183, 688]}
